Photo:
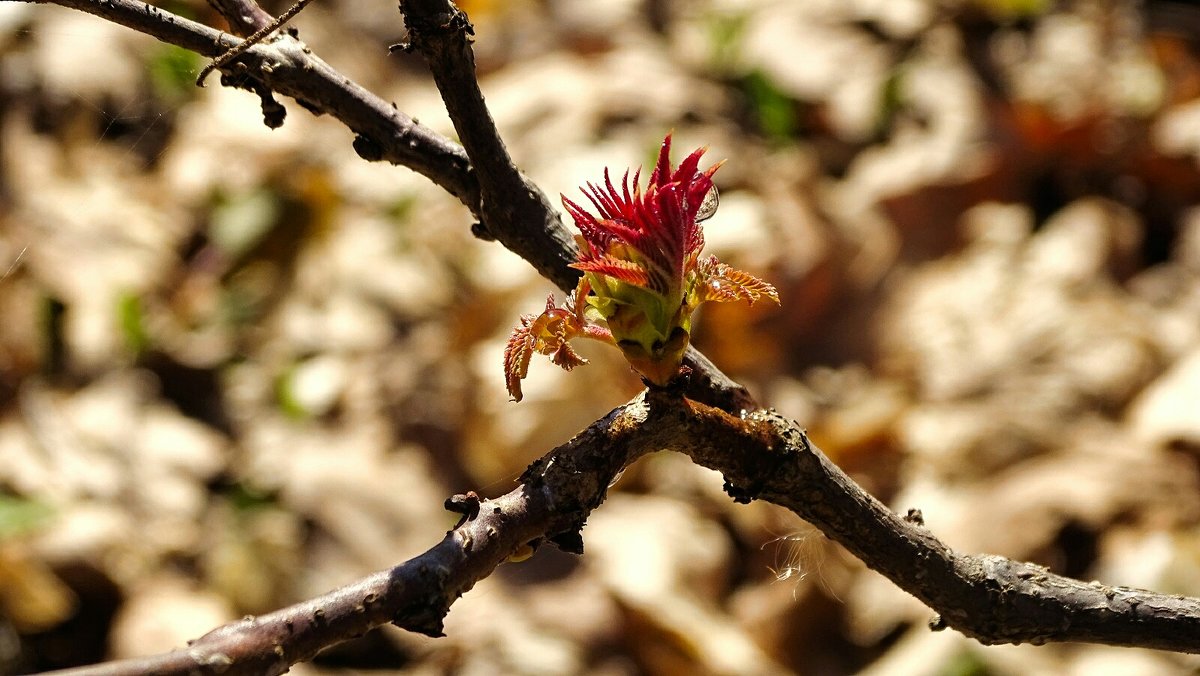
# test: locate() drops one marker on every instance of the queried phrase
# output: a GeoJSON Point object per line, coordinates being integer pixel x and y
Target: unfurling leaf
{"type": "Point", "coordinates": [643, 275]}
{"type": "Point", "coordinates": [721, 283]}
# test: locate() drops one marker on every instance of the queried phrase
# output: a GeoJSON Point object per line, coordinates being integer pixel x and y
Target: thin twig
{"type": "Point", "coordinates": [257, 37]}
{"type": "Point", "coordinates": [287, 68]}
{"type": "Point", "coordinates": [16, 262]}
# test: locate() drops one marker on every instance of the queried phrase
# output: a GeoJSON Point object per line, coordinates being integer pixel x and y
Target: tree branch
{"type": "Point", "coordinates": [288, 67]}
{"type": "Point", "coordinates": [253, 39]}
{"type": "Point", "coordinates": [516, 212]}
{"type": "Point", "coordinates": [245, 17]}
{"type": "Point", "coordinates": [762, 456]}
{"type": "Point", "coordinates": [990, 598]}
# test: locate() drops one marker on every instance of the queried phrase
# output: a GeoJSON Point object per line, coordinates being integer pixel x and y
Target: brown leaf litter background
{"type": "Point", "coordinates": [240, 367]}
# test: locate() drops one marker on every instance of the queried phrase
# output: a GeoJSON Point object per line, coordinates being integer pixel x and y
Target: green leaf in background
{"type": "Point", "coordinates": [724, 39]}
{"type": "Point", "coordinates": [172, 72]}
{"type": "Point", "coordinates": [774, 111]}
{"type": "Point", "coordinates": [132, 322]}
{"type": "Point", "coordinates": [20, 515]}
{"type": "Point", "coordinates": [402, 209]}
{"type": "Point", "coordinates": [285, 394]}
{"type": "Point", "coordinates": [245, 498]}
{"type": "Point", "coordinates": [965, 663]}
{"type": "Point", "coordinates": [1015, 9]}
{"type": "Point", "coordinates": [180, 8]}
{"type": "Point", "coordinates": [890, 100]}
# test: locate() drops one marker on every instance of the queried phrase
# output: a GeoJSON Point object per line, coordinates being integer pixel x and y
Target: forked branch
{"type": "Point", "coordinates": [762, 455]}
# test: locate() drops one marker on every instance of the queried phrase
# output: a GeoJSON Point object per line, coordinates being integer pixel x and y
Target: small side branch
{"type": "Point", "coordinates": [286, 66]}
{"type": "Point", "coordinates": [515, 211]}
